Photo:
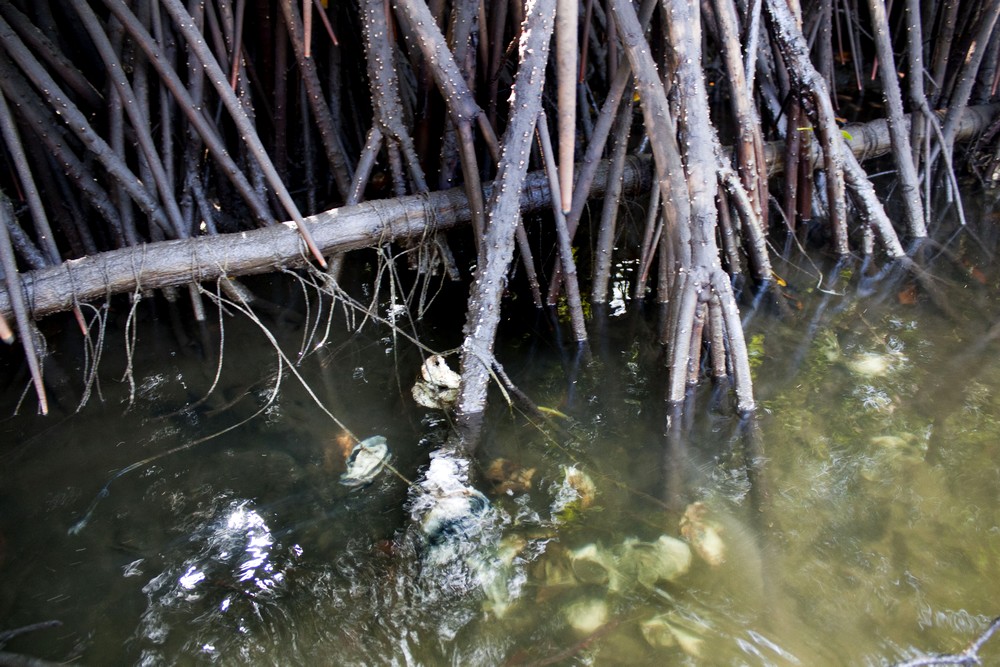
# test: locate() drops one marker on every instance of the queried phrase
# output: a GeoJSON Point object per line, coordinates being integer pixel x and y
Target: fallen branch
{"type": "Point", "coordinates": [206, 258]}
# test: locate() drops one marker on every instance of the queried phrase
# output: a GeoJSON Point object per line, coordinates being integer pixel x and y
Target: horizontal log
{"type": "Point", "coordinates": [871, 140]}
{"type": "Point", "coordinates": [207, 258]}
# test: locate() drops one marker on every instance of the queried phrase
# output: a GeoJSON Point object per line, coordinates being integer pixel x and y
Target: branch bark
{"type": "Point", "coordinates": [504, 212]}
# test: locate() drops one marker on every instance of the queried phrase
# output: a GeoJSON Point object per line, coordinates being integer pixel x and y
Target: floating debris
{"type": "Point", "coordinates": [439, 388]}
{"type": "Point", "coordinates": [365, 461]}
{"type": "Point", "coordinates": [704, 535]}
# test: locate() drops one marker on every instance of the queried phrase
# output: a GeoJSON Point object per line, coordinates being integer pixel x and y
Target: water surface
{"type": "Point", "coordinates": [855, 521]}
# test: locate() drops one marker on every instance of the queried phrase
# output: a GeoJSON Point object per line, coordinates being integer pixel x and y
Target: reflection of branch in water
{"type": "Point", "coordinates": [970, 656]}
{"type": "Point", "coordinates": [7, 635]}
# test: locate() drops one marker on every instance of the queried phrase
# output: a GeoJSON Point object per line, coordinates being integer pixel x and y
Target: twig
{"type": "Point", "coordinates": [970, 656]}
{"type": "Point", "coordinates": [17, 302]}
{"type": "Point", "coordinates": [565, 250]}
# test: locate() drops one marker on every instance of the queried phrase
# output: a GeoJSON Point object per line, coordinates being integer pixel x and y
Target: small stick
{"type": "Point", "coordinates": [566, 62]}
{"type": "Point", "coordinates": [18, 305]}
{"type": "Point", "coordinates": [307, 28]}
{"type": "Point", "coordinates": [237, 43]}
{"type": "Point", "coordinates": [562, 232]}
{"type": "Point", "coordinates": [326, 22]}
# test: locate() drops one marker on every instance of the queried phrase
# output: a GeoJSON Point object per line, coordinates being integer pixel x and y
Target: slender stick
{"type": "Point", "coordinates": [650, 242]}
{"type": "Point", "coordinates": [562, 233]}
{"type": "Point", "coordinates": [902, 151]}
{"type": "Point", "coordinates": [18, 305]}
{"type": "Point", "coordinates": [566, 66]}
{"type": "Point", "coordinates": [326, 21]}
{"type": "Point", "coordinates": [307, 26]}
{"type": "Point", "coordinates": [498, 17]}
{"type": "Point", "coordinates": [234, 70]}
{"type": "Point", "coordinates": [609, 210]}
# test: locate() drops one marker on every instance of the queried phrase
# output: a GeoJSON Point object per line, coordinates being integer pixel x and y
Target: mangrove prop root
{"type": "Point", "coordinates": [504, 211]}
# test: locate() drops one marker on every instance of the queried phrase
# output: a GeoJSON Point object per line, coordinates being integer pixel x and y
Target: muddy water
{"type": "Point", "coordinates": [857, 525]}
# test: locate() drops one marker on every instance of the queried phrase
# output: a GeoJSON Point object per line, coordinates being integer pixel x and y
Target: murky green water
{"type": "Point", "coordinates": [858, 525]}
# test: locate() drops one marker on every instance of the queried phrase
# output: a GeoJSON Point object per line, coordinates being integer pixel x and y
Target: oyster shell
{"type": "Point", "coordinates": [587, 615]}
{"type": "Point", "coordinates": [704, 534]}
{"type": "Point", "coordinates": [365, 461]}
{"type": "Point", "coordinates": [438, 389]}
{"type": "Point", "coordinates": [648, 563]}
{"type": "Point", "coordinates": [591, 564]}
